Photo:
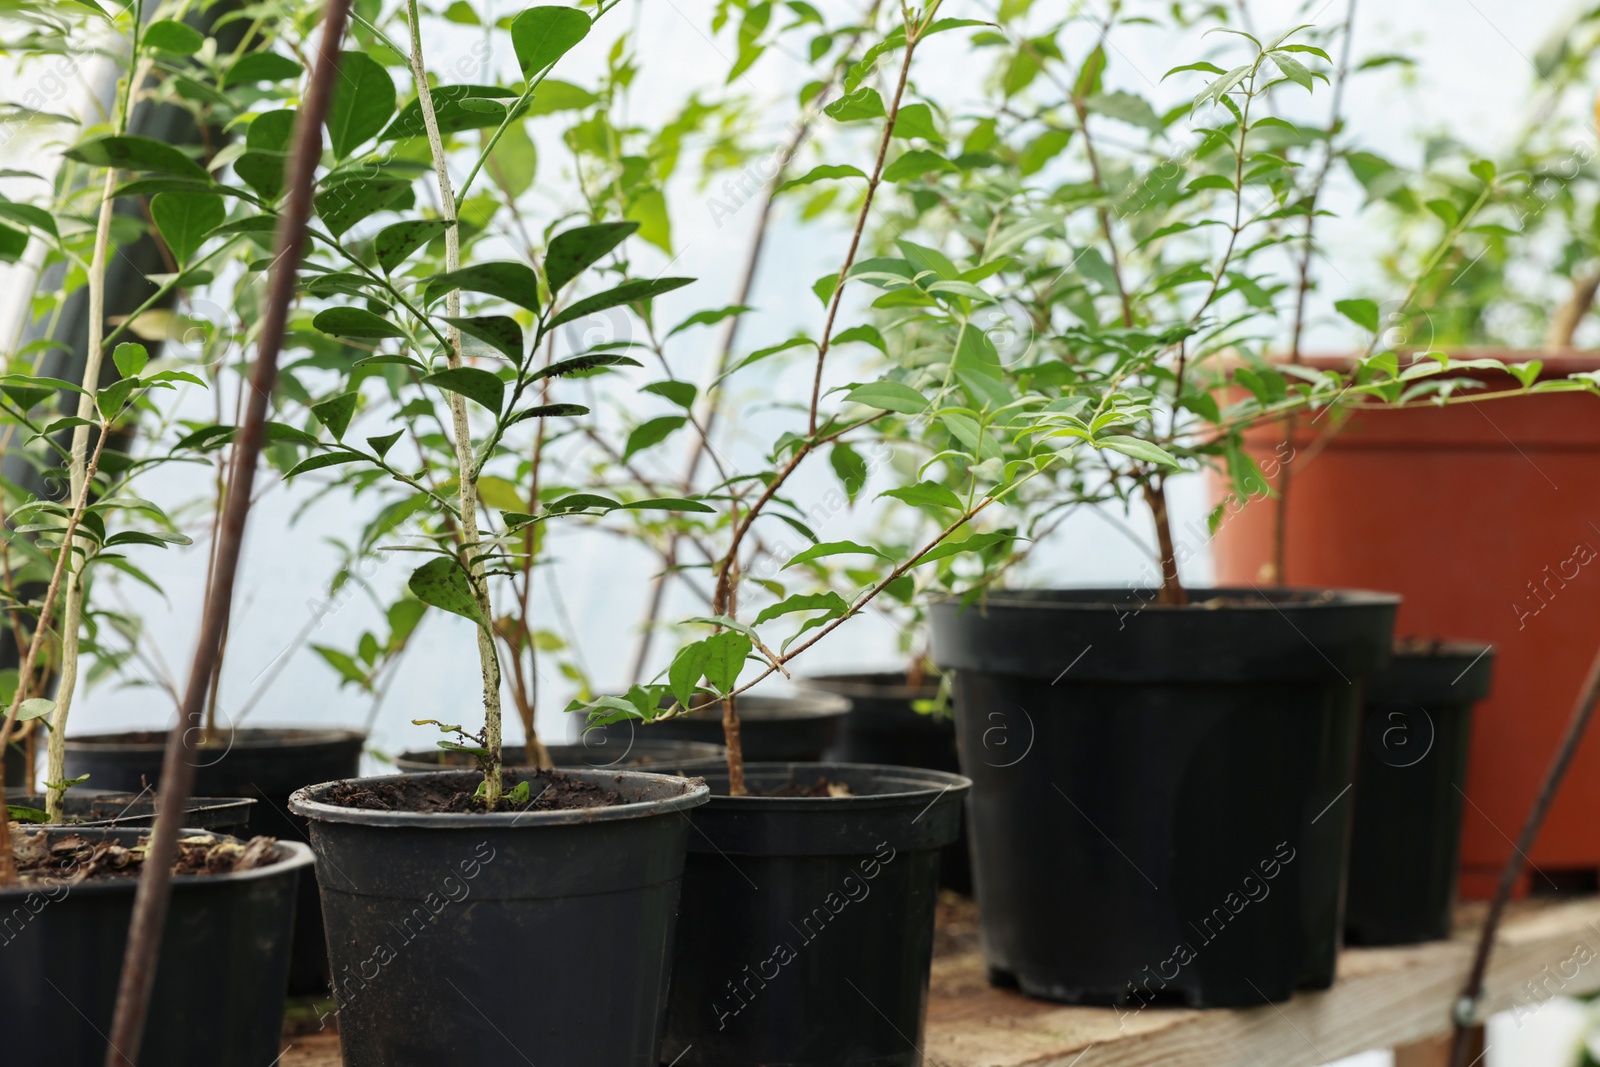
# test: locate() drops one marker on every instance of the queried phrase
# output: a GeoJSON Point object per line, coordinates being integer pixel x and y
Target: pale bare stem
{"type": "Point", "coordinates": [78, 470]}
{"type": "Point", "coordinates": [488, 657]}
{"type": "Point", "coordinates": [8, 872]}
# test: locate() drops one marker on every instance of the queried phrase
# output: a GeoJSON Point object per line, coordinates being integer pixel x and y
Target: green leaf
{"type": "Point", "coordinates": [542, 35]}
{"type": "Point", "coordinates": [381, 445]}
{"type": "Point", "coordinates": [725, 656]}
{"type": "Point", "coordinates": [129, 152]}
{"type": "Point", "coordinates": [169, 36]}
{"type": "Point", "coordinates": [1364, 313]}
{"type": "Point", "coordinates": [23, 813]}
{"type": "Point", "coordinates": [680, 393]}
{"type": "Point", "coordinates": [355, 323]}
{"type": "Point", "coordinates": [455, 108]}
{"type": "Point", "coordinates": [347, 667]}
{"type": "Point", "coordinates": [185, 221]}
{"type": "Point", "coordinates": [889, 396]}
{"type": "Point", "coordinates": [579, 364]}
{"type": "Point", "coordinates": [394, 244]}
{"type": "Point", "coordinates": [649, 210]}
{"type": "Point", "coordinates": [865, 333]}
{"type": "Point", "coordinates": [627, 293]}
{"type": "Point", "coordinates": [343, 204]}
{"type": "Point", "coordinates": [444, 584]}
{"type": "Point", "coordinates": [36, 708]}
{"type": "Point", "coordinates": [552, 96]}
{"type": "Point", "coordinates": [850, 468]}
{"type": "Point", "coordinates": [320, 460]}
{"type": "Point", "coordinates": [926, 494]}
{"type": "Point", "coordinates": [670, 503]}
{"type": "Point", "coordinates": [336, 413]}
{"type": "Point", "coordinates": [916, 120]}
{"type": "Point", "coordinates": [1292, 69]}
{"type": "Point", "coordinates": [142, 537]}
{"type": "Point", "coordinates": [826, 172]}
{"type": "Point", "coordinates": [498, 331]}
{"type": "Point", "coordinates": [916, 163]}
{"type": "Point", "coordinates": [833, 548]}
{"type": "Point", "coordinates": [261, 67]}
{"type": "Point", "coordinates": [975, 543]}
{"type": "Point", "coordinates": [573, 251]}
{"type": "Point", "coordinates": [263, 171]}
{"type": "Point", "coordinates": [581, 502]}
{"type": "Point", "coordinates": [500, 493]}
{"type": "Point", "coordinates": [508, 280]}
{"type": "Point", "coordinates": [479, 386]}
{"type": "Point", "coordinates": [651, 432]}
{"type": "Point", "coordinates": [130, 359]}
{"type": "Point", "coordinates": [363, 102]}
{"type": "Point", "coordinates": [834, 604]}
{"type": "Point", "coordinates": [28, 215]}
{"type": "Point", "coordinates": [13, 243]}
{"type": "Point", "coordinates": [548, 411]}
{"type": "Point", "coordinates": [688, 667]}
{"type": "Point", "coordinates": [861, 104]}
{"type": "Point", "coordinates": [1141, 450]}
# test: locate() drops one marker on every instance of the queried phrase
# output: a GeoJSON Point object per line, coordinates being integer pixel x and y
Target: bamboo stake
{"type": "Point", "coordinates": [177, 775]}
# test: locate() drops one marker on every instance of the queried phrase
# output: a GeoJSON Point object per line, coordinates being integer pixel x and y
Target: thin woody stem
{"type": "Point", "coordinates": [488, 657]}
{"type": "Point", "coordinates": [8, 872]}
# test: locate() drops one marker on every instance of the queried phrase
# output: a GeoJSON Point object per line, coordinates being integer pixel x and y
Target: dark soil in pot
{"type": "Point", "coordinates": [464, 937]}
{"type": "Point", "coordinates": [795, 729]}
{"type": "Point", "coordinates": [1160, 804]}
{"type": "Point", "coordinates": [639, 754]}
{"type": "Point", "coordinates": [223, 815]}
{"type": "Point", "coordinates": [807, 924]}
{"type": "Point", "coordinates": [1405, 848]}
{"type": "Point", "coordinates": [219, 991]}
{"type": "Point", "coordinates": [263, 764]}
{"type": "Point", "coordinates": [883, 727]}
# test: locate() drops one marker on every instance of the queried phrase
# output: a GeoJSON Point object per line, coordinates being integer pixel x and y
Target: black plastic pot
{"type": "Point", "coordinates": [807, 925]}
{"type": "Point", "coordinates": [1405, 848]}
{"type": "Point", "coordinates": [223, 815]}
{"type": "Point", "coordinates": [542, 936]}
{"type": "Point", "coordinates": [793, 729]}
{"type": "Point", "coordinates": [640, 754]}
{"type": "Point", "coordinates": [1160, 802]}
{"type": "Point", "coordinates": [263, 764]}
{"type": "Point", "coordinates": [883, 727]}
{"type": "Point", "coordinates": [219, 990]}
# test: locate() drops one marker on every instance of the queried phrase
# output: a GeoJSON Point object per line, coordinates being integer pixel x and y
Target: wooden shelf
{"type": "Point", "coordinates": [1383, 998]}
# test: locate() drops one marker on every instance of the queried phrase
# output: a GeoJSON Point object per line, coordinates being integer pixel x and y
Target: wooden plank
{"type": "Point", "coordinates": [1383, 998]}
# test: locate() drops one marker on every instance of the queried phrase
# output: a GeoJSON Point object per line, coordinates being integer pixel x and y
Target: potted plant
{"type": "Point", "coordinates": [1159, 811]}
{"type": "Point", "coordinates": [1454, 479]}
{"type": "Point", "coordinates": [69, 889]}
{"type": "Point", "coordinates": [547, 858]}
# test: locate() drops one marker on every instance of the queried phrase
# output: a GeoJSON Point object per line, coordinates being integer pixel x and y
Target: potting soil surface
{"type": "Point", "coordinates": [53, 858]}
{"type": "Point", "coordinates": [547, 791]}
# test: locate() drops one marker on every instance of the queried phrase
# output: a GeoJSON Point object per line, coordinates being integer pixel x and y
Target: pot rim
{"type": "Point", "coordinates": [694, 793]}
{"type": "Point", "coordinates": [298, 857]}
{"type": "Point", "coordinates": [1566, 361]}
{"type": "Point", "coordinates": [858, 684]}
{"type": "Point", "coordinates": [238, 737]}
{"type": "Point", "coordinates": [1117, 597]}
{"type": "Point", "coordinates": [1447, 648]}
{"type": "Point", "coordinates": [770, 708]}
{"type": "Point", "coordinates": [937, 783]}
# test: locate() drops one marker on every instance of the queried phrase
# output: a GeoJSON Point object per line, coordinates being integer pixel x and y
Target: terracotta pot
{"type": "Point", "coordinates": [1486, 518]}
